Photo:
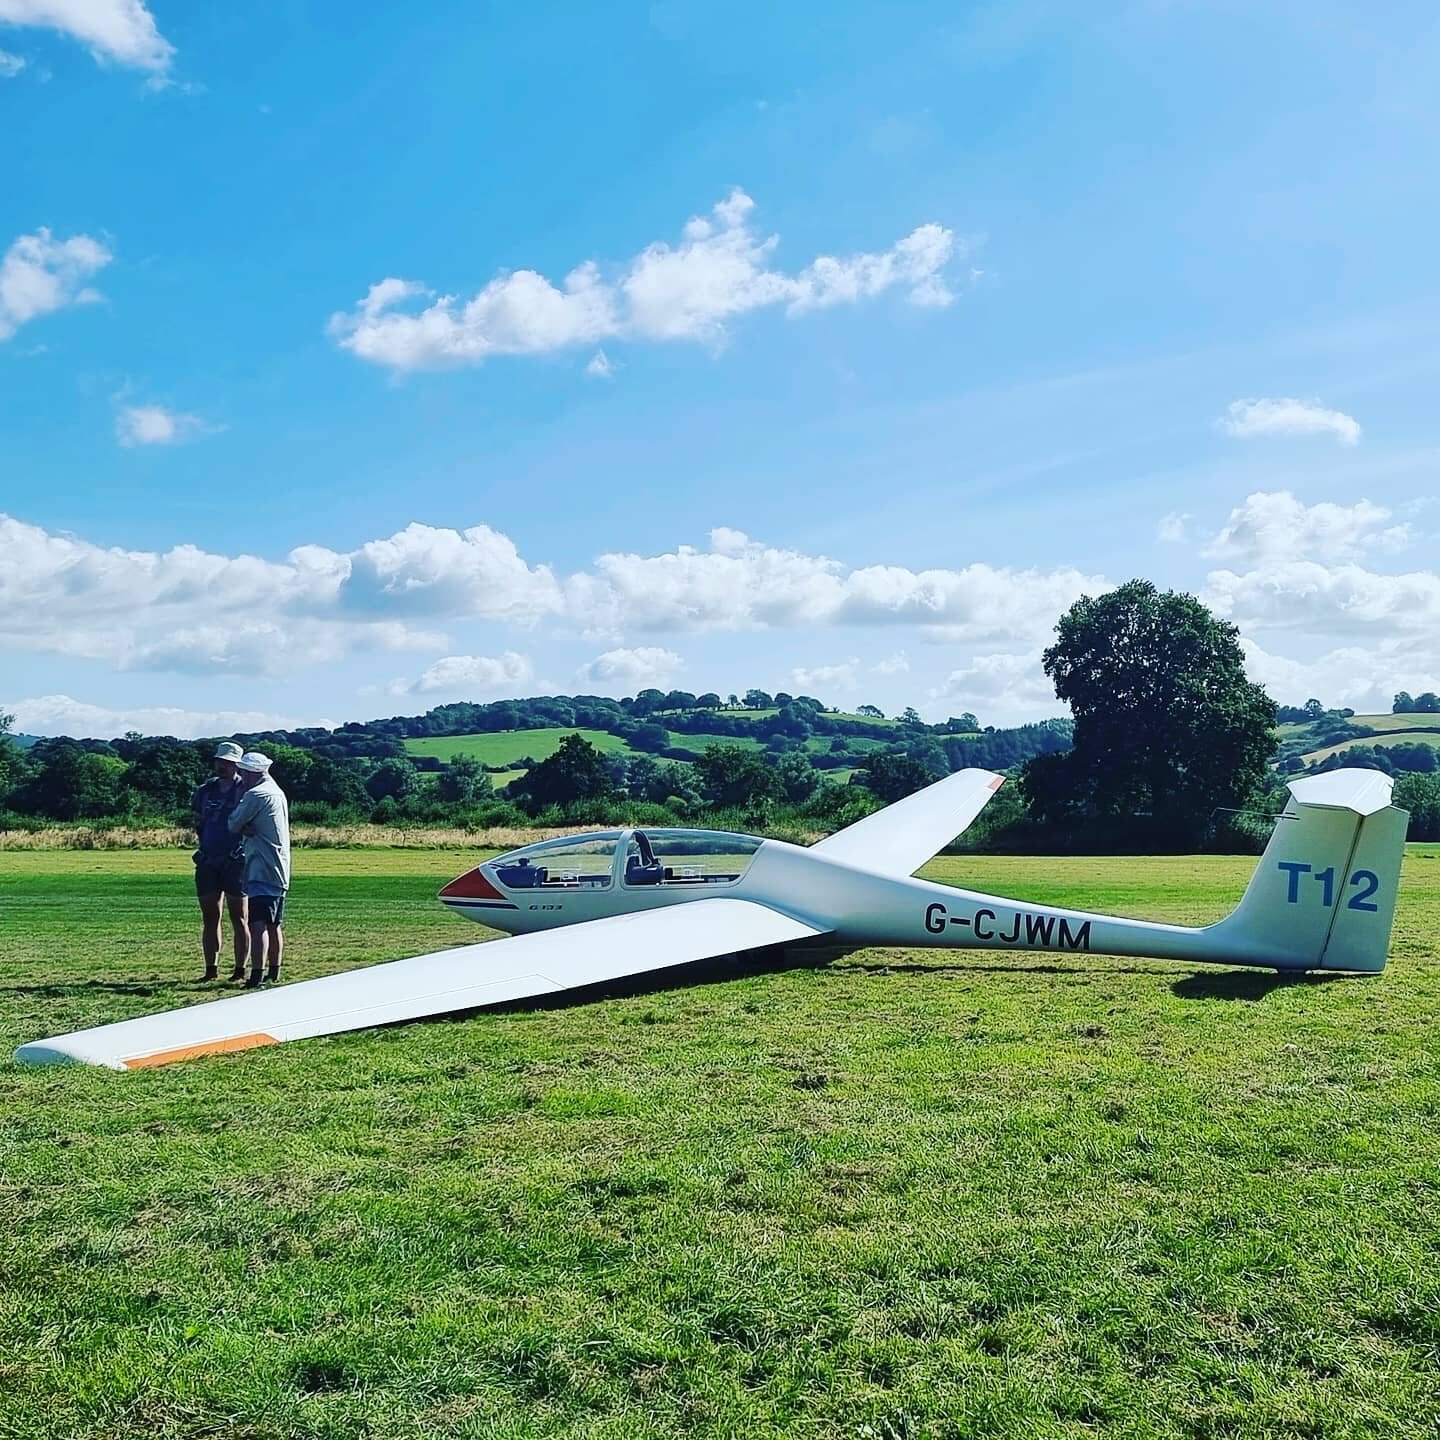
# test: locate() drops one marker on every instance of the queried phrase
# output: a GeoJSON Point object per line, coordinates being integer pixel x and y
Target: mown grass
{"type": "Point", "coordinates": [1411, 720]}
{"type": "Point", "coordinates": [909, 1195]}
{"type": "Point", "coordinates": [500, 747]}
{"type": "Point", "coordinates": [1389, 737]}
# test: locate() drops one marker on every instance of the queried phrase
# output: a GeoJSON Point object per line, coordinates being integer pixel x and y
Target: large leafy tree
{"type": "Point", "coordinates": [463, 781]}
{"type": "Point", "coordinates": [12, 759]}
{"type": "Point", "coordinates": [731, 775]}
{"type": "Point", "coordinates": [393, 779]}
{"type": "Point", "coordinates": [76, 784]}
{"type": "Point", "coordinates": [1168, 730]}
{"type": "Point", "coordinates": [575, 774]}
{"type": "Point", "coordinates": [893, 777]}
{"type": "Point", "coordinates": [163, 776]}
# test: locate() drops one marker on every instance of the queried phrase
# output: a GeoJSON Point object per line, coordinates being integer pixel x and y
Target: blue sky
{"type": "Point", "coordinates": [886, 335]}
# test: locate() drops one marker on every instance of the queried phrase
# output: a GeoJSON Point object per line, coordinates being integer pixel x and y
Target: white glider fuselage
{"type": "Point", "coordinates": [1281, 923]}
{"type": "Point", "coordinates": [586, 910]}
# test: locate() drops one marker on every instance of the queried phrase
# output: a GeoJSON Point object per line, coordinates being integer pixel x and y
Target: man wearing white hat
{"type": "Point", "coordinates": [220, 861]}
{"type": "Point", "coordinates": [263, 818]}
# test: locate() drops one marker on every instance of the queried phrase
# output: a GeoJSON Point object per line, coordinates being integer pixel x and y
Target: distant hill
{"type": "Point", "coordinates": [1306, 745]}
{"type": "Point", "coordinates": [26, 741]}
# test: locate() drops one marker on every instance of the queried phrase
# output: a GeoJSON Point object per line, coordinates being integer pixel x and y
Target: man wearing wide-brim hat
{"type": "Point", "coordinates": [220, 862]}
{"type": "Point", "coordinates": [263, 818]}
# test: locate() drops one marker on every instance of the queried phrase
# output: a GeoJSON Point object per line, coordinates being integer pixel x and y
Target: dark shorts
{"type": "Point", "coordinates": [212, 877]}
{"type": "Point", "coordinates": [266, 909]}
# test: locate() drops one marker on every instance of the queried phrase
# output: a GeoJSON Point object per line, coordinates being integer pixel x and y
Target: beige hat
{"type": "Point", "coordinates": [254, 761]}
{"type": "Point", "coordinates": [228, 750]}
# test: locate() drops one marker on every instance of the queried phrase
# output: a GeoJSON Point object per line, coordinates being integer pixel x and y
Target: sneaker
{"type": "Point", "coordinates": [273, 977]}
{"type": "Point", "coordinates": [211, 974]}
{"type": "Point", "coordinates": [256, 982]}
{"type": "Point", "coordinates": [237, 975]}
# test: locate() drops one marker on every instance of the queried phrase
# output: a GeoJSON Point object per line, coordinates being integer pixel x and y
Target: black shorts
{"type": "Point", "coordinates": [214, 877]}
{"type": "Point", "coordinates": [266, 909]}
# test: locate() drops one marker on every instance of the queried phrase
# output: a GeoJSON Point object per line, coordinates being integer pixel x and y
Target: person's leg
{"type": "Point", "coordinates": [275, 934]}
{"type": "Point", "coordinates": [258, 931]}
{"type": "Point", "coordinates": [210, 932]}
{"type": "Point", "coordinates": [240, 933]}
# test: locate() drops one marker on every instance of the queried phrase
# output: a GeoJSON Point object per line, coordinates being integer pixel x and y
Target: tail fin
{"type": "Point", "coordinates": [1323, 895]}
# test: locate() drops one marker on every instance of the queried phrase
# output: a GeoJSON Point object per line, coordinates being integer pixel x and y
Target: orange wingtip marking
{"type": "Point", "coordinates": [209, 1047]}
{"type": "Point", "coordinates": [472, 885]}
{"type": "Point", "coordinates": [997, 782]}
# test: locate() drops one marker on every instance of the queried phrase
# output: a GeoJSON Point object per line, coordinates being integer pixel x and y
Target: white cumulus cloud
{"type": "Point", "coordinates": [1275, 525]}
{"type": "Point", "coordinates": [1171, 530]}
{"type": "Point", "coordinates": [635, 668]}
{"type": "Point", "coordinates": [195, 610]}
{"type": "Point", "coordinates": [155, 425]}
{"type": "Point", "coordinates": [10, 65]}
{"type": "Point", "coordinates": [1004, 689]}
{"type": "Point", "coordinates": [1299, 567]}
{"type": "Point", "coordinates": [843, 676]}
{"type": "Point", "coordinates": [1245, 418]}
{"type": "Point", "coordinates": [122, 32]}
{"type": "Point", "coordinates": [1363, 677]}
{"type": "Point", "coordinates": [720, 268]}
{"type": "Point", "coordinates": [62, 715]}
{"type": "Point", "coordinates": [743, 584]}
{"type": "Point", "coordinates": [40, 274]}
{"type": "Point", "coordinates": [471, 677]}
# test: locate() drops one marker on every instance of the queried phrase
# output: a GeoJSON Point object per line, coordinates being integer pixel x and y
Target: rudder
{"type": "Point", "coordinates": [1323, 895]}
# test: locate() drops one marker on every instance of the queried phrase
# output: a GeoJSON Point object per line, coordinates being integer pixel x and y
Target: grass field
{"type": "Point", "coordinates": [1413, 721]}
{"type": "Point", "coordinates": [1390, 737]}
{"type": "Point", "coordinates": [909, 1195]}
{"type": "Point", "coordinates": [503, 746]}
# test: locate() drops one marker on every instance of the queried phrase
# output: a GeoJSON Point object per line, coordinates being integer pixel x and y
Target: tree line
{"type": "Point", "coordinates": [1169, 747]}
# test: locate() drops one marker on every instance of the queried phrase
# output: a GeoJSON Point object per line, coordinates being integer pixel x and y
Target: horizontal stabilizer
{"type": "Point", "coordinates": [1363, 791]}
{"type": "Point", "coordinates": [460, 979]}
{"type": "Point", "coordinates": [899, 839]}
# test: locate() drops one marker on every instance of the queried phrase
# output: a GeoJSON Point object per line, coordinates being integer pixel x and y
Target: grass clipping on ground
{"type": "Point", "coordinates": [913, 1194]}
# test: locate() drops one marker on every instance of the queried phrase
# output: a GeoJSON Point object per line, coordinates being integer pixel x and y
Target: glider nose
{"type": "Point", "coordinates": [472, 885]}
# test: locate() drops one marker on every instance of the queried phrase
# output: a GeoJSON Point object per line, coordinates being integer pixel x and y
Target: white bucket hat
{"type": "Point", "coordinates": [254, 761]}
{"type": "Point", "coordinates": [228, 750]}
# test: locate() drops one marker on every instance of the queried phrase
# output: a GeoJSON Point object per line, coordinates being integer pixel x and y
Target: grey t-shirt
{"type": "Point", "coordinates": [263, 818]}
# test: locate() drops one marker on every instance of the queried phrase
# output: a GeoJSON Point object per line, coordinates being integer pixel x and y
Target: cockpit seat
{"type": "Point", "coordinates": [638, 872]}
{"type": "Point", "coordinates": [521, 876]}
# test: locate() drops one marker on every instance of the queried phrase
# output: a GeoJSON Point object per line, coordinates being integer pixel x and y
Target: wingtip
{"type": "Point", "coordinates": [52, 1052]}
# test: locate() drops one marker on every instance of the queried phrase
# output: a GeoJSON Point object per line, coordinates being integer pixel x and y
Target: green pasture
{"type": "Point", "coordinates": [1417, 720]}
{"type": "Point", "coordinates": [502, 746]}
{"type": "Point", "coordinates": [1392, 737]}
{"type": "Point", "coordinates": [698, 741]}
{"type": "Point", "coordinates": [908, 1196]}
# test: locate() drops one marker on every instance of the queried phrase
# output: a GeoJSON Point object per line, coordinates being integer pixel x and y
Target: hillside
{"type": "Point", "coordinates": [1363, 737]}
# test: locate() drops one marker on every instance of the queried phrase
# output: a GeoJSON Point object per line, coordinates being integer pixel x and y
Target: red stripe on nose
{"type": "Point", "coordinates": [472, 885]}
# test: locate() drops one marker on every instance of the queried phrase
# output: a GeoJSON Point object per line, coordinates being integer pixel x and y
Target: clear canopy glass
{"type": "Point", "coordinates": [663, 857]}
{"type": "Point", "coordinates": [573, 860]}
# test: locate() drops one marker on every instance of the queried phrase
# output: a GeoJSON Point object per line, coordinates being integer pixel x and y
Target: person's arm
{"type": "Point", "coordinates": [242, 814]}
{"type": "Point", "coordinates": [197, 819]}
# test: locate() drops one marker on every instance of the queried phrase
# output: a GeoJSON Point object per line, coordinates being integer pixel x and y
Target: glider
{"type": "Point", "coordinates": [599, 907]}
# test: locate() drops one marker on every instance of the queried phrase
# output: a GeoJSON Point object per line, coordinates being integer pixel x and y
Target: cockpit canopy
{"type": "Point", "coordinates": [648, 857]}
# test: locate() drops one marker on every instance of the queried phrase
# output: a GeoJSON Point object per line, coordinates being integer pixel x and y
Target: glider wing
{"type": "Point", "coordinates": [459, 979]}
{"type": "Point", "coordinates": [899, 839]}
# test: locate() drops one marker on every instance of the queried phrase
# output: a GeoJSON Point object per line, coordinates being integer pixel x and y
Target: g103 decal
{"type": "Point", "coordinates": [1364, 882]}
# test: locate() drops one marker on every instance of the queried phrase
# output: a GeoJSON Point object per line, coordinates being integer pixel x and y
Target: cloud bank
{"type": "Point", "coordinates": [720, 269]}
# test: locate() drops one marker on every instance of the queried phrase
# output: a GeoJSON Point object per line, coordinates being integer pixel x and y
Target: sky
{"type": "Point", "coordinates": [356, 359]}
